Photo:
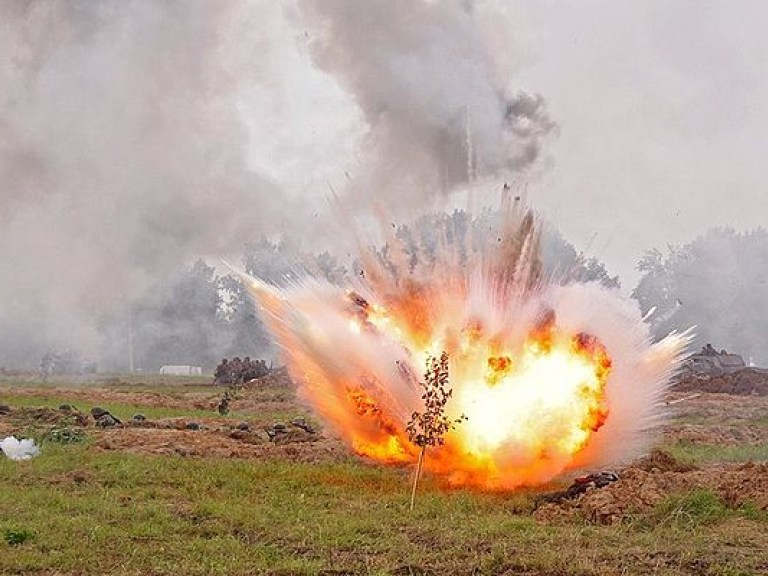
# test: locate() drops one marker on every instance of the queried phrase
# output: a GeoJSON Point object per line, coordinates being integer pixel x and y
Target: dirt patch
{"type": "Point", "coordinates": [749, 381]}
{"type": "Point", "coordinates": [7, 429]}
{"type": "Point", "coordinates": [42, 415]}
{"type": "Point", "coordinates": [661, 461]}
{"type": "Point", "coordinates": [720, 409]}
{"type": "Point", "coordinates": [72, 478]}
{"type": "Point", "coordinates": [212, 437]}
{"type": "Point", "coordinates": [276, 379]}
{"type": "Point", "coordinates": [641, 489]}
{"type": "Point", "coordinates": [46, 416]}
{"type": "Point", "coordinates": [255, 438]}
{"type": "Point", "coordinates": [215, 444]}
{"type": "Point", "coordinates": [715, 434]}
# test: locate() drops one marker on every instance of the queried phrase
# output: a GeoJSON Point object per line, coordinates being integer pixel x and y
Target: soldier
{"type": "Point", "coordinates": [236, 371]}
{"type": "Point", "coordinates": [249, 370]}
{"type": "Point", "coordinates": [220, 375]}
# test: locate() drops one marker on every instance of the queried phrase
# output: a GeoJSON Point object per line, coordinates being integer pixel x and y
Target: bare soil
{"type": "Point", "coordinates": [640, 491]}
{"type": "Point", "coordinates": [747, 381]}
{"type": "Point", "coordinates": [711, 419]}
{"type": "Point", "coordinates": [216, 443]}
{"type": "Point", "coordinates": [100, 396]}
{"type": "Point", "coordinates": [212, 437]}
{"type": "Point", "coordinates": [716, 419]}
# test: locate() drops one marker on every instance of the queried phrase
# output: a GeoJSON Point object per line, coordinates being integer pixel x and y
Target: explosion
{"type": "Point", "coordinates": [551, 375]}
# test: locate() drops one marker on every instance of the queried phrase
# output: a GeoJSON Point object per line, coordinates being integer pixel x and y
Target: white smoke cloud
{"type": "Point", "coordinates": [122, 153]}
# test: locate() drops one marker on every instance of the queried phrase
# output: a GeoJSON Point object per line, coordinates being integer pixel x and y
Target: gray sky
{"type": "Point", "coordinates": [138, 135]}
{"type": "Point", "coordinates": [663, 118]}
{"type": "Point", "coordinates": [659, 105]}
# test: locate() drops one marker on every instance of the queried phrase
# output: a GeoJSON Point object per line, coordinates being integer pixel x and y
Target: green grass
{"type": "Point", "coordinates": [79, 510]}
{"type": "Point", "coordinates": [16, 537]}
{"type": "Point", "coordinates": [125, 411]}
{"type": "Point", "coordinates": [92, 512]}
{"type": "Point", "coordinates": [105, 379]}
{"type": "Point", "coordinates": [694, 508]}
{"type": "Point", "coordinates": [708, 453]}
{"type": "Point", "coordinates": [121, 410]}
{"type": "Point", "coordinates": [735, 420]}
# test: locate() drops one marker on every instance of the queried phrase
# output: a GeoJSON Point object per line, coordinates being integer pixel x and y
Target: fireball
{"type": "Point", "coordinates": [549, 376]}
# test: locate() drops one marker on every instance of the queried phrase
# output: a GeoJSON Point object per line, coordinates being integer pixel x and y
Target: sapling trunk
{"type": "Point", "coordinates": [427, 428]}
{"type": "Point", "coordinates": [418, 473]}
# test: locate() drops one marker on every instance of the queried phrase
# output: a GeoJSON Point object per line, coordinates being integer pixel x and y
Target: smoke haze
{"type": "Point", "coordinates": [136, 136]}
{"type": "Point", "coordinates": [121, 154]}
{"type": "Point", "coordinates": [125, 151]}
{"type": "Point", "coordinates": [662, 116]}
{"type": "Point", "coordinates": [425, 77]}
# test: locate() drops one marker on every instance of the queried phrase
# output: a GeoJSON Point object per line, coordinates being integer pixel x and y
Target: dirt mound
{"type": "Point", "coordinates": [107, 396]}
{"type": "Point", "coordinates": [640, 491]}
{"type": "Point", "coordinates": [748, 381]}
{"type": "Point", "coordinates": [748, 483]}
{"type": "Point", "coordinates": [663, 462]}
{"type": "Point", "coordinates": [217, 437]}
{"type": "Point", "coordinates": [47, 415]}
{"type": "Point", "coordinates": [716, 435]}
{"type": "Point", "coordinates": [278, 378]}
{"type": "Point", "coordinates": [214, 444]}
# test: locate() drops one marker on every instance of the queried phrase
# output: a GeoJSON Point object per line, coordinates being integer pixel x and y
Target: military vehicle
{"type": "Point", "coordinates": [710, 361]}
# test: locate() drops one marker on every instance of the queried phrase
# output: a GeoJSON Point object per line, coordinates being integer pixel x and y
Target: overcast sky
{"type": "Point", "coordinates": [138, 135]}
{"type": "Point", "coordinates": [660, 106]}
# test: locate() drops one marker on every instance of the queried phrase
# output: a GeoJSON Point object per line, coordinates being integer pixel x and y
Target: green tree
{"type": "Point", "coordinates": [428, 427]}
{"type": "Point", "coordinates": [561, 259]}
{"type": "Point", "coordinates": [178, 322]}
{"type": "Point", "coordinates": [246, 334]}
{"type": "Point", "coordinates": [717, 283]}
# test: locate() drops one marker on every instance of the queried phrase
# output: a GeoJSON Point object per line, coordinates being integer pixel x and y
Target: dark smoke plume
{"type": "Point", "coordinates": [431, 90]}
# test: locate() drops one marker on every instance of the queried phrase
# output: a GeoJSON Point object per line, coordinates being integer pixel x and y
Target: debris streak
{"type": "Point", "coordinates": [552, 376]}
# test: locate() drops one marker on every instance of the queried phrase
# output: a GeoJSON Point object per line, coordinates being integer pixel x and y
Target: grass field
{"type": "Point", "coordinates": [118, 502]}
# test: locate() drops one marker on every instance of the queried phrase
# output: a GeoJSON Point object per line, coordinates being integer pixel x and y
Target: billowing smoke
{"type": "Point", "coordinates": [550, 376]}
{"type": "Point", "coordinates": [121, 155]}
{"type": "Point", "coordinates": [129, 132]}
{"type": "Point", "coordinates": [437, 100]}
{"type": "Point", "coordinates": [717, 282]}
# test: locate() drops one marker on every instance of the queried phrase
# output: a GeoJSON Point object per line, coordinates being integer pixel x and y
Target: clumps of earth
{"type": "Point", "coordinates": [643, 486]}
{"type": "Point", "coordinates": [642, 490]}
{"type": "Point", "coordinates": [67, 424]}
{"type": "Point", "coordinates": [744, 382]}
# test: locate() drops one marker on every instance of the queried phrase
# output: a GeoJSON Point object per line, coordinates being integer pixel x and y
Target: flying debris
{"type": "Point", "coordinates": [551, 376]}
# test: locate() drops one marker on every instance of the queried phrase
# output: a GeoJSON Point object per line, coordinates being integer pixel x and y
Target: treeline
{"type": "Point", "coordinates": [199, 317]}
{"type": "Point", "coordinates": [717, 283]}
{"type": "Point", "coordinates": [195, 317]}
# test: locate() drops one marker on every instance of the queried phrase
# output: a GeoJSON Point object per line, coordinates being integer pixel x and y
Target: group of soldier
{"type": "Point", "coordinates": [239, 371]}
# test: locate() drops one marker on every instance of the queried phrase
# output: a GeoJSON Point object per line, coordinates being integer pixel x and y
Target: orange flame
{"type": "Point", "coordinates": [534, 387]}
{"type": "Point", "coordinates": [545, 400]}
{"type": "Point", "coordinates": [530, 407]}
